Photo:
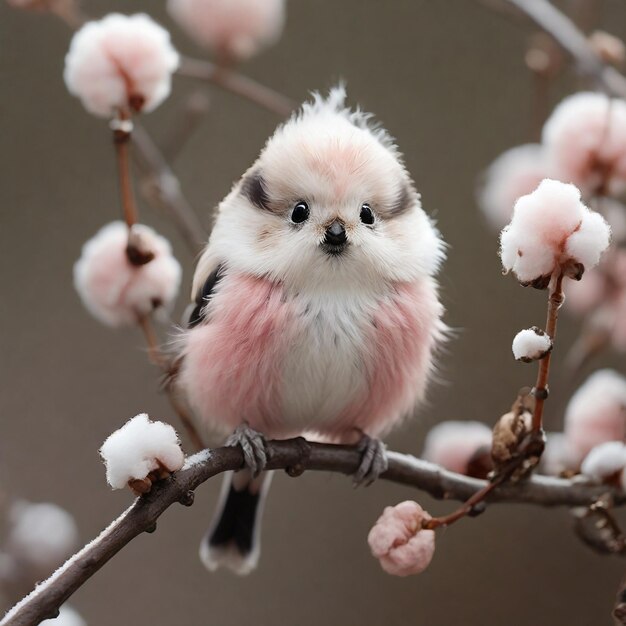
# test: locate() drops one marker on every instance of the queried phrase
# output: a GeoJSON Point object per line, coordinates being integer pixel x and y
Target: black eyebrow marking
{"type": "Point", "coordinates": [404, 201]}
{"type": "Point", "coordinates": [202, 299]}
{"type": "Point", "coordinates": [253, 188]}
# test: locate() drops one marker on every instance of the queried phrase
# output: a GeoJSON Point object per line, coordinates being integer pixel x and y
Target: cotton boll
{"type": "Point", "coordinates": [399, 542]}
{"type": "Point", "coordinates": [515, 173]}
{"type": "Point", "coordinates": [589, 241]}
{"type": "Point", "coordinates": [452, 444]}
{"type": "Point", "coordinates": [551, 227]}
{"type": "Point", "coordinates": [41, 535]}
{"type": "Point", "coordinates": [596, 413]}
{"type": "Point", "coordinates": [115, 291]}
{"type": "Point", "coordinates": [531, 344]}
{"type": "Point", "coordinates": [139, 448]}
{"type": "Point", "coordinates": [67, 617]}
{"type": "Point", "coordinates": [120, 62]}
{"type": "Point", "coordinates": [585, 138]}
{"type": "Point", "coordinates": [604, 461]}
{"type": "Point", "coordinates": [231, 28]}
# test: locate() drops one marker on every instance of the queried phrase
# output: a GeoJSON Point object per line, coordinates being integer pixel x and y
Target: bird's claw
{"type": "Point", "coordinates": [252, 444]}
{"type": "Point", "coordinates": [374, 461]}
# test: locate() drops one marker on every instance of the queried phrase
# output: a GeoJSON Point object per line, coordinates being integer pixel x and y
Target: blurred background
{"type": "Point", "coordinates": [448, 80]}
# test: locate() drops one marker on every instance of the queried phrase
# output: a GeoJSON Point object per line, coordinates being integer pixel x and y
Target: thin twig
{"type": "Point", "coordinates": [237, 84]}
{"type": "Point", "coordinates": [466, 508]}
{"type": "Point", "coordinates": [547, 17]}
{"type": "Point", "coordinates": [535, 443]}
{"type": "Point", "coordinates": [164, 190]}
{"type": "Point", "coordinates": [122, 127]}
{"type": "Point", "coordinates": [540, 392]}
{"type": "Point", "coordinates": [193, 111]}
{"type": "Point", "coordinates": [69, 12]}
{"type": "Point", "coordinates": [295, 456]}
{"type": "Point", "coordinates": [154, 353]}
{"type": "Point", "coordinates": [158, 358]}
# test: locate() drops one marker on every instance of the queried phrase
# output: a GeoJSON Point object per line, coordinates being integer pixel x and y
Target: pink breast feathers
{"type": "Point", "coordinates": [406, 329]}
{"type": "Point", "coordinates": [232, 366]}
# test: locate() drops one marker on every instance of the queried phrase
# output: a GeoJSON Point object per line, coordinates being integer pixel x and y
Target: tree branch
{"type": "Point", "coordinates": [563, 30]}
{"type": "Point", "coordinates": [238, 84]}
{"type": "Point", "coordinates": [295, 456]}
{"type": "Point", "coordinates": [163, 188]}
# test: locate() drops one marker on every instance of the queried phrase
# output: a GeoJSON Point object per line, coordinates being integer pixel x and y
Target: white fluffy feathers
{"type": "Point", "coordinates": [336, 159]}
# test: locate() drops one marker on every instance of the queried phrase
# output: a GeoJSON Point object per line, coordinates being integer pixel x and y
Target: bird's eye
{"type": "Point", "coordinates": [367, 217]}
{"type": "Point", "coordinates": [300, 213]}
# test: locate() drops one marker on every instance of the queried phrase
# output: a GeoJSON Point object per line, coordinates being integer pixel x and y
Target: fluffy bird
{"type": "Point", "coordinates": [315, 306]}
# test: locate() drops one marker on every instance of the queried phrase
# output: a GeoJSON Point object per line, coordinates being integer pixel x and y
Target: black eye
{"type": "Point", "coordinates": [367, 217]}
{"type": "Point", "coordinates": [300, 213]}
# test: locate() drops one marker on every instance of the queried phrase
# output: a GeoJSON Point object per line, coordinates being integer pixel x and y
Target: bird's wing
{"type": "Point", "coordinates": [203, 296]}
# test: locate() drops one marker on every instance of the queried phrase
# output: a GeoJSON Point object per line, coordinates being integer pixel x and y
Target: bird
{"type": "Point", "coordinates": [315, 307]}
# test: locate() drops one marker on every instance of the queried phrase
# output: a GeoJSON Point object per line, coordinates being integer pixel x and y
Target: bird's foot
{"type": "Point", "coordinates": [374, 460]}
{"type": "Point", "coordinates": [252, 445]}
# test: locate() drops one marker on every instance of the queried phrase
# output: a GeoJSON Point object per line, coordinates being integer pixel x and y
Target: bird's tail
{"type": "Point", "coordinates": [233, 539]}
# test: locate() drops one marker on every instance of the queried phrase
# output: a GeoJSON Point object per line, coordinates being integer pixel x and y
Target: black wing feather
{"type": "Point", "coordinates": [204, 296]}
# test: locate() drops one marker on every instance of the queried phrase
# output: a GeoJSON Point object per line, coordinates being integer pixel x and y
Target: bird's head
{"type": "Point", "coordinates": [328, 204]}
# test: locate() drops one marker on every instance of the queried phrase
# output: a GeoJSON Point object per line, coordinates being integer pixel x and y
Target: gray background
{"type": "Point", "coordinates": [447, 78]}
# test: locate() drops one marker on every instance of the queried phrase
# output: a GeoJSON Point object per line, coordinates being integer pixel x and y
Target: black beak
{"type": "Point", "coordinates": [336, 235]}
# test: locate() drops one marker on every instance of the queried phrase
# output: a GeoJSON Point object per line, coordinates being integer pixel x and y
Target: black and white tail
{"type": "Point", "coordinates": [233, 539]}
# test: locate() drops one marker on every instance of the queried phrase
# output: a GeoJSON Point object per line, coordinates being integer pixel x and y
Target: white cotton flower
{"type": "Point", "coordinates": [551, 227]}
{"type": "Point", "coordinates": [231, 28]}
{"type": "Point", "coordinates": [585, 138]}
{"type": "Point", "coordinates": [41, 535]}
{"type": "Point", "coordinates": [513, 174]}
{"type": "Point", "coordinates": [604, 461]}
{"type": "Point", "coordinates": [120, 61]}
{"type": "Point", "coordinates": [596, 413]}
{"type": "Point", "coordinates": [67, 617]}
{"type": "Point", "coordinates": [531, 344]}
{"type": "Point", "coordinates": [137, 448]}
{"type": "Point", "coordinates": [115, 291]}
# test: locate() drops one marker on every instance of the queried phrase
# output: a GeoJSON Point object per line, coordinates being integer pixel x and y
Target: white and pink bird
{"type": "Point", "coordinates": [316, 307]}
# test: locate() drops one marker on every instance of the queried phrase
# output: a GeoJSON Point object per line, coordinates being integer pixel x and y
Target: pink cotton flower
{"type": "Point", "coordinates": [399, 542]}
{"type": "Point", "coordinates": [585, 138]}
{"type": "Point", "coordinates": [452, 444]}
{"type": "Point", "coordinates": [112, 289]}
{"type": "Point", "coordinates": [596, 413]}
{"type": "Point", "coordinates": [231, 28]}
{"type": "Point", "coordinates": [120, 62]}
{"type": "Point", "coordinates": [513, 174]}
{"type": "Point", "coordinates": [552, 227]}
